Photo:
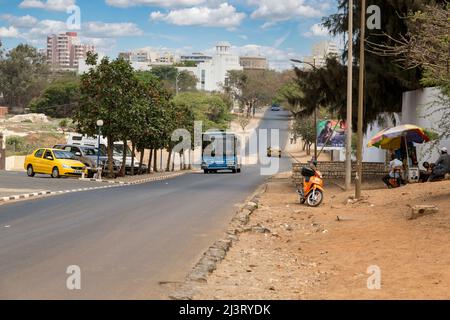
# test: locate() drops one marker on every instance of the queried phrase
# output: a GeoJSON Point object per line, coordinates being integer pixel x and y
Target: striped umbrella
{"type": "Point", "coordinates": [391, 138]}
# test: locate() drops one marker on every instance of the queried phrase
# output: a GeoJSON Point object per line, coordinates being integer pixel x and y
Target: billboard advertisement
{"type": "Point", "coordinates": [331, 134]}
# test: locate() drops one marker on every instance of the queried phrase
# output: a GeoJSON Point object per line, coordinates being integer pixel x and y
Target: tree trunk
{"type": "Point", "coordinates": [181, 161]}
{"type": "Point", "coordinates": [190, 159]}
{"type": "Point", "coordinates": [124, 159]}
{"type": "Point", "coordinates": [168, 160]}
{"type": "Point", "coordinates": [173, 162]}
{"type": "Point", "coordinates": [155, 161]}
{"type": "Point", "coordinates": [133, 150]}
{"type": "Point", "coordinates": [110, 157]}
{"type": "Point", "coordinates": [149, 167]}
{"type": "Point", "coordinates": [141, 160]}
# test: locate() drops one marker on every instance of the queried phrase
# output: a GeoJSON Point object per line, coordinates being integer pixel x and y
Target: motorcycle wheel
{"type": "Point", "coordinates": [315, 198]}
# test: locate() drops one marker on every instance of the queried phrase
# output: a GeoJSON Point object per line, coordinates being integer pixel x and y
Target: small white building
{"type": "Point", "coordinates": [422, 108]}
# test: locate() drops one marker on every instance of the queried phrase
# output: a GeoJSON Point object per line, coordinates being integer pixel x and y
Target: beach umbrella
{"type": "Point", "coordinates": [391, 138]}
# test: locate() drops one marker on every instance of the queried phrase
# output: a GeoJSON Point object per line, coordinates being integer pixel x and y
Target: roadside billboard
{"type": "Point", "coordinates": [331, 134]}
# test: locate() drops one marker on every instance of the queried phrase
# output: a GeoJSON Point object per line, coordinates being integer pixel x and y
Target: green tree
{"type": "Point", "coordinates": [173, 79]}
{"type": "Point", "coordinates": [154, 131]}
{"type": "Point", "coordinates": [303, 127]}
{"type": "Point", "coordinates": [207, 107]}
{"type": "Point", "coordinates": [187, 81]}
{"type": "Point", "coordinates": [23, 75]}
{"type": "Point", "coordinates": [255, 88]}
{"type": "Point", "coordinates": [385, 79]}
{"type": "Point", "coordinates": [186, 64]}
{"type": "Point", "coordinates": [290, 96]}
{"type": "Point", "coordinates": [59, 99]}
{"type": "Point", "coordinates": [107, 92]}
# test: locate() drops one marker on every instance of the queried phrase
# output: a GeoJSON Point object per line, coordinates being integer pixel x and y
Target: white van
{"type": "Point", "coordinates": [84, 140]}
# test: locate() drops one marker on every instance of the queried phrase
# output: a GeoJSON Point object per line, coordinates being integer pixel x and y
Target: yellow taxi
{"type": "Point", "coordinates": [54, 162]}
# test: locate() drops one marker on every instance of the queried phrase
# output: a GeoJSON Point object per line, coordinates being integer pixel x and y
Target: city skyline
{"type": "Point", "coordinates": [179, 26]}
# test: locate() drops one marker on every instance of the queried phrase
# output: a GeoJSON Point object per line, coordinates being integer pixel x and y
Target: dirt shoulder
{"type": "Point", "coordinates": [324, 253]}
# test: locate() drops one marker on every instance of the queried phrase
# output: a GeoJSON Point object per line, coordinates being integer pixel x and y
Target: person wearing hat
{"type": "Point", "coordinates": [442, 166]}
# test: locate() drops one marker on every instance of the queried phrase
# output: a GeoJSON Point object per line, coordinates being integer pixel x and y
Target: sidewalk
{"type": "Point", "coordinates": [291, 251]}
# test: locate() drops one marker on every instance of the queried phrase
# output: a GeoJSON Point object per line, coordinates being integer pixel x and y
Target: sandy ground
{"type": "Point", "coordinates": [325, 252]}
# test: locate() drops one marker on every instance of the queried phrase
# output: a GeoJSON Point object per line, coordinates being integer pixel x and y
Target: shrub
{"type": "Point", "coordinates": [15, 144]}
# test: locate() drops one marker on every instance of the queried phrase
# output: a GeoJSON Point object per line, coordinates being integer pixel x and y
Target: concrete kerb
{"type": "Point", "coordinates": [218, 251]}
{"type": "Point", "coordinates": [114, 184]}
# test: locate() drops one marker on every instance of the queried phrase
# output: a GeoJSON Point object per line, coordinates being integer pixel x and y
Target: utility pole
{"type": "Point", "coordinates": [315, 119]}
{"type": "Point", "coordinates": [359, 154]}
{"type": "Point", "coordinates": [348, 145]}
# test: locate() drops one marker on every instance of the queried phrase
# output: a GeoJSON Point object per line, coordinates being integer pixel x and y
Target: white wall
{"type": "Point", "coordinates": [419, 108]}
{"type": "Point", "coordinates": [370, 154]}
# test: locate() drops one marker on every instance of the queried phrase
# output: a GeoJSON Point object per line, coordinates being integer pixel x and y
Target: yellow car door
{"type": "Point", "coordinates": [48, 162]}
{"type": "Point", "coordinates": [36, 160]}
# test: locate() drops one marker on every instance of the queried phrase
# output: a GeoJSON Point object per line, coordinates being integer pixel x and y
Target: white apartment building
{"type": "Point", "coordinates": [196, 57]}
{"type": "Point", "coordinates": [320, 52]}
{"type": "Point", "coordinates": [65, 50]}
{"type": "Point", "coordinates": [149, 56]}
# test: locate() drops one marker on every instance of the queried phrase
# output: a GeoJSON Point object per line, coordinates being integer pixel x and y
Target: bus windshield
{"type": "Point", "coordinates": [219, 144]}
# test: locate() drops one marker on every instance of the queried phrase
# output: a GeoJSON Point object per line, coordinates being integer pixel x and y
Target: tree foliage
{"type": "Point", "coordinates": [136, 107]}
{"type": "Point", "coordinates": [426, 45]}
{"type": "Point", "coordinates": [23, 75]}
{"type": "Point", "coordinates": [173, 79]}
{"type": "Point", "coordinates": [59, 99]}
{"type": "Point", "coordinates": [385, 79]}
{"type": "Point", "coordinates": [255, 86]}
{"type": "Point", "coordinates": [207, 107]}
{"type": "Point", "coordinates": [108, 92]}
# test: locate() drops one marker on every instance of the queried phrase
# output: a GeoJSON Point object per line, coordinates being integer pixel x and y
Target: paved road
{"type": "Point", "coordinates": [125, 240]}
{"type": "Point", "coordinates": [16, 183]}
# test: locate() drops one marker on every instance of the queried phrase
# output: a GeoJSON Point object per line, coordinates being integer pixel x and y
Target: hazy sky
{"type": "Point", "coordinates": [278, 29]}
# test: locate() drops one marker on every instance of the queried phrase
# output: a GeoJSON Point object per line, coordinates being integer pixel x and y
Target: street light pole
{"type": "Point", "coordinates": [313, 65]}
{"type": "Point", "coordinates": [348, 144]}
{"type": "Point", "coordinates": [99, 125]}
{"type": "Point", "coordinates": [359, 154]}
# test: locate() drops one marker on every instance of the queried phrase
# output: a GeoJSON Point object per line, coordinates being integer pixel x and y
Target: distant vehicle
{"type": "Point", "coordinates": [55, 162]}
{"type": "Point", "coordinates": [220, 152]}
{"type": "Point", "coordinates": [275, 107]}
{"type": "Point", "coordinates": [89, 155]}
{"type": "Point", "coordinates": [84, 140]}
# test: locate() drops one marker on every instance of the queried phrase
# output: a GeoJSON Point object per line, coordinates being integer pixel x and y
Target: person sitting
{"type": "Point", "coordinates": [395, 173]}
{"type": "Point", "coordinates": [425, 174]}
{"type": "Point", "coordinates": [441, 167]}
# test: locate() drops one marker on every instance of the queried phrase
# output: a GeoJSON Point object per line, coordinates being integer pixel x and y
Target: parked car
{"type": "Point", "coordinates": [88, 155]}
{"type": "Point", "coordinates": [84, 140]}
{"type": "Point", "coordinates": [55, 162]}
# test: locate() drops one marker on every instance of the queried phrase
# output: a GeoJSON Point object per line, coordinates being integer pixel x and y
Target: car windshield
{"type": "Point", "coordinates": [60, 154]}
{"type": "Point", "coordinates": [118, 150]}
{"type": "Point", "coordinates": [92, 152]}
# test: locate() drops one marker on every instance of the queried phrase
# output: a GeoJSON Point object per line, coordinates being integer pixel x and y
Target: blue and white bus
{"type": "Point", "coordinates": [220, 151]}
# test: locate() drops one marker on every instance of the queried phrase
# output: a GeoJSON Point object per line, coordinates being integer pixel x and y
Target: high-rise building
{"type": "Point", "coordinates": [65, 50]}
{"type": "Point", "coordinates": [320, 52]}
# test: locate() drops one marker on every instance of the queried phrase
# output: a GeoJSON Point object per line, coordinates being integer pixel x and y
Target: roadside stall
{"type": "Point", "coordinates": [401, 140]}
